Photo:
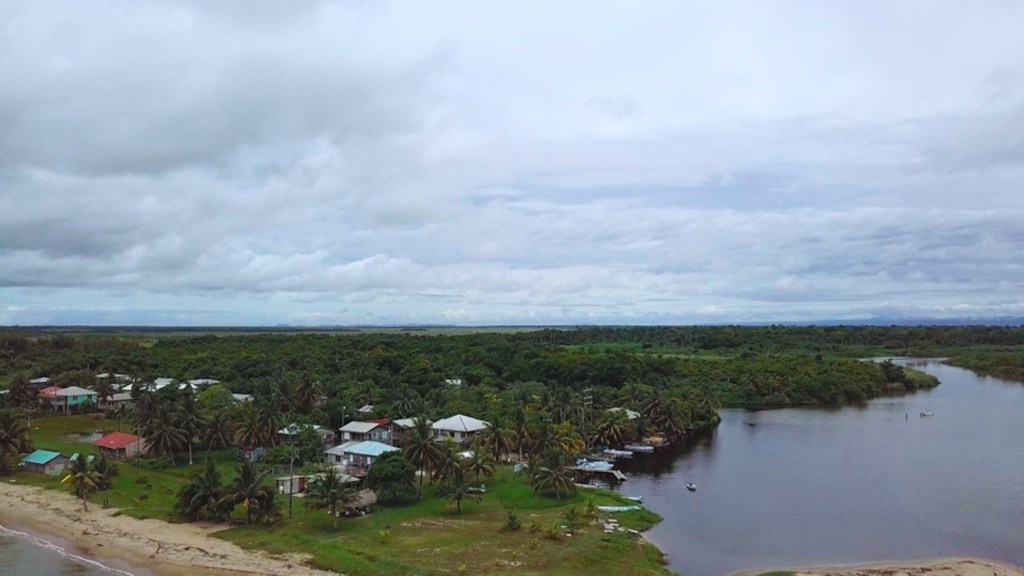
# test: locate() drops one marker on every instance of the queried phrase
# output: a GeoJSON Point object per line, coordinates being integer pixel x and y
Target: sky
{"type": "Point", "coordinates": [354, 162]}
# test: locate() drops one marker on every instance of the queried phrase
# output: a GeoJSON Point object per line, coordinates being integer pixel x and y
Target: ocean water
{"type": "Point", "coordinates": [24, 554]}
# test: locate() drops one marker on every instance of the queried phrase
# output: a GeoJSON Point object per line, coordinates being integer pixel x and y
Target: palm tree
{"type": "Point", "coordinates": [217, 434]}
{"type": "Point", "coordinates": [188, 420]}
{"type": "Point", "coordinates": [447, 462]}
{"type": "Point", "coordinates": [248, 488]}
{"type": "Point", "coordinates": [14, 434]}
{"type": "Point", "coordinates": [546, 442]}
{"type": "Point", "coordinates": [106, 469]}
{"type": "Point", "coordinates": [612, 427]}
{"type": "Point", "coordinates": [306, 393]}
{"type": "Point", "coordinates": [480, 463]}
{"type": "Point", "coordinates": [163, 436]}
{"type": "Point", "coordinates": [104, 389]}
{"type": "Point", "coordinates": [554, 478]}
{"type": "Point", "coordinates": [420, 448]}
{"type": "Point", "coordinates": [251, 433]}
{"type": "Point", "coordinates": [458, 488]}
{"type": "Point", "coordinates": [331, 494]}
{"type": "Point", "coordinates": [81, 479]}
{"type": "Point", "coordinates": [497, 440]}
{"type": "Point", "coordinates": [204, 497]}
{"type": "Point", "coordinates": [22, 393]}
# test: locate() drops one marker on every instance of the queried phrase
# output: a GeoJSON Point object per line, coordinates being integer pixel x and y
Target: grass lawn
{"type": "Point", "coordinates": [430, 537]}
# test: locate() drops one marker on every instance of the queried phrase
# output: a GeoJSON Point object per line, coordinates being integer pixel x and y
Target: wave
{"type": "Point", "coordinates": [44, 543]}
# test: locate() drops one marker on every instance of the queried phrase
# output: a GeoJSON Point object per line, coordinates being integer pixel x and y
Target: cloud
{"type": "Point", "coordinates": [338, 162]}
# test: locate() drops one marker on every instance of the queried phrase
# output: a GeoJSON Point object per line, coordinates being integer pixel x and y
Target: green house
{"type": "Point", "coordinates": [45, 461]}
{"type": "Point", "coordinates": [73, 396]}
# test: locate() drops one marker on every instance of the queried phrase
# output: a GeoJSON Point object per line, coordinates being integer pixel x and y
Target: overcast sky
{"type": "Point", "coordinates": [514, 162]}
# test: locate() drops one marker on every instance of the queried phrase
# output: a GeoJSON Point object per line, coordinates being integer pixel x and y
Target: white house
{"type": "Point", "coordinates": [376, 430]}
{"type": "Point", "coordinates": [356, 457]}
{"type": "Point", "coordinates": [459, 428]}
{"type": "Point", "coordinates": [325, 434]}
{"type": "Point", "coordinates": [630, 414]}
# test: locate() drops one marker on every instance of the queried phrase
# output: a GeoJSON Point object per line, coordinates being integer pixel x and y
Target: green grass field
{"type": "Point", "coordinates": [428, 537]}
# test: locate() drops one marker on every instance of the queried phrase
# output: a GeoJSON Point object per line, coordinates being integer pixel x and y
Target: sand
{"type": "Point", "coordinates": [150, 545]}
{"type": "Point", "coordinates": [932, 567]}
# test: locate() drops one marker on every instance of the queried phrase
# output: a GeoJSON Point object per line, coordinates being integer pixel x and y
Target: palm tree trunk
{"type": "Point", "coordinates": [190, 452]}
{"type": "Point", "coordinates": [85, 503]}
{"type": "Point", "coordinates": [420, 495]}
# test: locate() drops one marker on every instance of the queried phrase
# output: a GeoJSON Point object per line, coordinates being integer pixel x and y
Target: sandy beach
{"type": "Point", "coordinates": [149, 546]}
{"type": "Point", "coordinates": [931, 567]}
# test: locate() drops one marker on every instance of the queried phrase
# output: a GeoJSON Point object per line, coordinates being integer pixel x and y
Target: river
{"type": "Point", "coordinates": [796, 487]}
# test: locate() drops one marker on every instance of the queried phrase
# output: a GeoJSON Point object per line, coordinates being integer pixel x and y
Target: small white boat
{"type": "Point", "coordinates": [927, 413]}
{"type": "Point", "coordinates": [618, 453]}
{"type": "Point", "coordinates": [691, 486]}
{"type": "Point", "coordinates": [639, 499]}
{"type": "Point", "coordinates": [643, 448]}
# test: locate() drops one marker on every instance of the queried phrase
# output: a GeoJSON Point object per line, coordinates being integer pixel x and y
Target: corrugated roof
{"type": "Point", "coordinates": [294, 429]}
{"type": "Point", "coordinates": [368, 448]}
{"type": "Point", "coordinates": [49, 391]}
{"type": "Point", "coordinates": [408, 422]}
{"type": "Point", "coordinates": [460, 423]}
{"type": "Point", "coordinates": [76, 391]}
{"type": "Point", "coordinates": [359, 427]}
{"type": "Point", "coordinates": [116, 440]}
{"type": "Point", "coordinates": [40, 457]}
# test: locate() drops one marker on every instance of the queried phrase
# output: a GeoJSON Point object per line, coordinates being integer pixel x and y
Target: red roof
{"type": "Point", "coordinates": [50, 391]}
{"type": "Point", "coordinates": [380, 421]}
{"type": "Point", "coordinates": [116, 440]}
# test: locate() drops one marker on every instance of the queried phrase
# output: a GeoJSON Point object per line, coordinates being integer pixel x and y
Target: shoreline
{"type": "Point", "coordinates": [941, 566]}
{"type": "Point", "coordinates": [139, 547]}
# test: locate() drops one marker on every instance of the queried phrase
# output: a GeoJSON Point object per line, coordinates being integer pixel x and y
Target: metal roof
{"type": "Point", "coordinates": [75, 391]}
{"type": "Point", "coordinates": [460, 423]}
{"type": "Point", "coordinates": [41, 457]}
{"type": "Point", "coordinates": [116, 440]}
{"type": "Point", "coordinates": [364, 448]}
{"type": "Point", "coordinates": [359, 427]}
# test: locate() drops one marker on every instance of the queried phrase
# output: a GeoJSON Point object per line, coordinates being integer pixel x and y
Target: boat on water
{"type": "Point", "coordinates": [642, 448]}
{"type": "Point", "coordinates": [585, 464]}
{"type": "Point", "coordinates": [639, 499]}
{"type": "Point", "coordinates": [927, 413]}
{"type": "Point", "coordinates": [618, 453]}
{"type": "Point", "coordinates": [691, 486]}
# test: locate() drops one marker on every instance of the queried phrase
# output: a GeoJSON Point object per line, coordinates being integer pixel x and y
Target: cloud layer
{"type": "Point", "coordinates": [345, 162]}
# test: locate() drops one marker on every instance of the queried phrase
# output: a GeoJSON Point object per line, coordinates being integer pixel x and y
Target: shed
{"type": "Point", "coordinates": [45, 461]}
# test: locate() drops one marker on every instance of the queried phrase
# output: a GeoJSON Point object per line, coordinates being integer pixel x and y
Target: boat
{"type": "Point", "coordinates": [584, 464]}
{"type": "Point", "coordinates": [618, 453]}
{"type": "Point", "coordinates": [691, 486]}
{"type": "Point", "coordinates": [642, 448]}
{"type": "Point", "coordinates": [639, 499]}
{"type": "Point", "coordinates": [927, 413]}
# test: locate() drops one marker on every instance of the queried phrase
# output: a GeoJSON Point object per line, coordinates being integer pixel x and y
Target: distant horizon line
{"type": "Point", "coordinates": [909, 322]}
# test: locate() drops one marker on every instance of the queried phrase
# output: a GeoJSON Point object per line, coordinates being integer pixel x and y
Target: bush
{"type": "Point", "coordinates": [512, 523]}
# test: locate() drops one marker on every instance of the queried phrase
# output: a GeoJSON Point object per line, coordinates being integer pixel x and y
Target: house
{"type": "Point", "coordinates": [40, 383]}
{"type": "Point", "coordinates": [117, 377]}
{"type": "Point", "coordinates": [400, 427]}
{"type": "Point", "coordinates": [326, 435]}
{"type": "Point", "coordinates": [242, 398]}
{"type": "Point", "coordinates": [299, 483]}
{"type": "Point", "coordinates": [455, 382]}
{"type": "Point", "coordinates": [377, 430]}
{"type": "Point", "coordinates": [49, 393]}
{"type": "Point", "coordinates": [203, 382]}
{"type": "Point", "coordinates": [459, 428]}
{"type": "Point", "coordinates": [630, 414]}
{"type": "Point", "coordinates": [115, 400]}
{"type": "Point", "coordinates": [252, 453]}
{"type": "Point", "coordinates": [356, 457]}
{"type": "Point", "coordinates": [365, 409]}
{"type": "Point", "coordinates": [74, 397]}
{"type": "Point", "coordinates": [120, 445]}
{"type": "Point", "coordinates": [47, 462]}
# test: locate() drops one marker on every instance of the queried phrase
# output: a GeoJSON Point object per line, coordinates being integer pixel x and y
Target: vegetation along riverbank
{"type": "Point", "coordinates": [389, 453]}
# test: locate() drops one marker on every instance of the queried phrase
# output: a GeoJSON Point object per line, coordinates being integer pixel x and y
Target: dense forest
{"type": "Point", "coordinates": [1006, 364]}
{"type": "Point", "coordinates": [479, 373]}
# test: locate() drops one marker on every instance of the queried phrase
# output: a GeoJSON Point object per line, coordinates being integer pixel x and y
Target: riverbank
{"type": "Point", "coordinates": [931, 567]}
{"type": "Point", "coordinates": [137, 546]}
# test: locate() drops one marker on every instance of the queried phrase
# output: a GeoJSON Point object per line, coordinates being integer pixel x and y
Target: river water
{"type": "Point", "coordinates": [793, 487]}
